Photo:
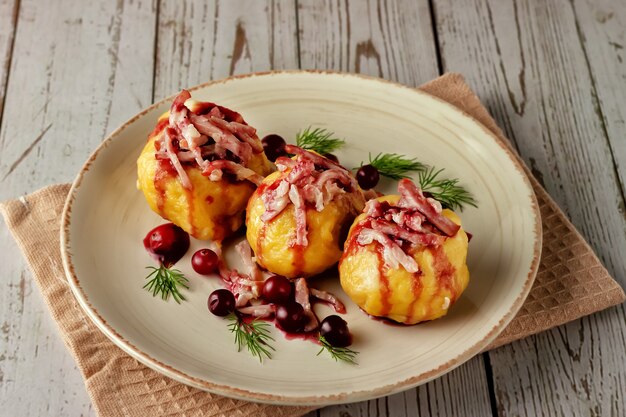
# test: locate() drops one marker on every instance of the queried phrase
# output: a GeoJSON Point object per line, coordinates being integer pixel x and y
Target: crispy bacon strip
{"type": "Point", "coordinates": [240, 171]}
{"type": "Point", "coordinates": [295, 195]}
{"type": "Point", "coordinates": [330, 299]}
{"type": "Point", "coordinates": [178, 111]}
{"type": "Point", "coordinates": [222, 137]}
{"type": "Point", "coordinates": [222, 268]}
{"type": "Point", "coordinates": [339, 175]}
{"type": "Point", "coordinates": [245, 287]}
{"type": "Point", "coordinates": [179, 120]}
{"type": "Point", "coordinates": [242, 286]}
{"type": "Point", "coordinates": [245, 132]}
{"type": "Point", "coordinates": [275, 201]}
{"type": "Point", "coordinates": [252, 269]}
{"type": "Point", "coordinates": [393, 229]}
{"type": "Point", "coordinates": [373, 208]}
{"type": "Point", "coordinates": [414, 221]}
{"type": "Point", "coordinates": [412, 197]}
{"type": "Point", "coordinates": [301, 170]}
{"type": "Point", "coordinates": [216, 112]}
{"type": "Point", "coordinates": [302, 298]}
{"type": "Point", "coordinates": [260, 311]}
{"type": "Point", "coordinates": [313, 195]}
{"type": "Point", "coordinates": [182, 175]}
{"type": "Point", "coordinates": [317, 159]}
{"type": "Point", "coordinates": [283, 163]}
{"type": "Point", "coordinates": [393, 254]}
{"type": "Point", "coordinates": [331, 190]}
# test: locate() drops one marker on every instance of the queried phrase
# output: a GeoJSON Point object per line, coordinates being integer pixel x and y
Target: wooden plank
{"type": "Point", "coordinates": [78, 70]}
{"type": "Point", "coordinates": [69, 66]}
{"type": "Point", "coordinates": [8, 18]}
{"type": "Point", "coordinates": [456, 394]}
{"type": "Point", "coordinates": [528, 63]}
{"type": "Point", "coordinates": [203, 40]}
{"type": "Point", "coordinates": [392, 40]}
{"type": "Point", "coordinates": [536, 82]}
{"type": "Point", "coordinates": [600, 27]}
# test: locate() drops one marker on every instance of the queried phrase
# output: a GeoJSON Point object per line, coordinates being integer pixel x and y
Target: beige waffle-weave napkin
{"type": "Point", "coordinates": [571, 283]}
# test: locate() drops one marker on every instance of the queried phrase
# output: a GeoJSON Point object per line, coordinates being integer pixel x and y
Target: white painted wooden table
{"type": "Point", "coordinates": [551, 72]}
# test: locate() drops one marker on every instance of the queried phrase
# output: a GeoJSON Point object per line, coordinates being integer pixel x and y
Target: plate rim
{"type": "Point", "coordinates": [317, 400]}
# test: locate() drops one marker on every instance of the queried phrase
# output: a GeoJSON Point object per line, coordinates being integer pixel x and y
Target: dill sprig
{"type": "Point", "coordinates": [338, 353]}
{"type": "Point", "coordinates": [318, 140]}
{"type": "Point", "coordinates": [447, 191]}
{"type": "Point", "coordinates": [395, 166]}
{"type": "Point", "coordinates": [166, 281]}
{"type": "Point", "coordinates": [254, 336]}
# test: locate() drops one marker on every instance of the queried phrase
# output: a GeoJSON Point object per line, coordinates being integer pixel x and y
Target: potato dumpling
{"type": "Point", "coordinates": [211, 210]}
{"type": "Point", "coordinates": [206, 206]}
{"type": "Point", "coordinates": [275, 240]}
{"type": "Point", "coordinates": [393, 292]}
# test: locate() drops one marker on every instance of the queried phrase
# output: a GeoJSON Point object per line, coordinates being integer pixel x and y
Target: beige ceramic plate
{"type": "Point", "coordinates": [105, 219]}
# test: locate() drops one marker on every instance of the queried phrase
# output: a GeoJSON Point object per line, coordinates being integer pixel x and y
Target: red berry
{"type": "Point", "coordinates": [274, 146]}
{"type": "Point", "coordinates": [335, 331]}
{"type": "Point", "coordinates": [221, 302]}
{"type": "Point", "coordinates": [367, 177]}
{"type": "Point", "coordinates": [277, 289]}
{"type": "Point", "coordinates": [167, 243]}
{"type": "Point", "coordinates": [290, 317]}
{"type": "Point", "coordinates": [204, 261]}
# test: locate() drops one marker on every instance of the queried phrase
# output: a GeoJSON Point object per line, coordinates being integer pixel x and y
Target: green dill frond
{"type": "Point", "coordinates": [254, 336]}
{"type": "Point", "coordinates": [447, 191]}
{"type": "Point", "coordinates": [319, 140]}
{"type": "Point", "coordinates": [338, 353]}
{"type": "Point", "coordinates": [165, 281]}
{"type": "Point", "coordinates": [395, 166]}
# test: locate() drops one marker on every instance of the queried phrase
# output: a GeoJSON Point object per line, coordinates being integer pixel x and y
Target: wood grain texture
{"type": "Point", "coordinates": [78, 70]}
{"type": "Point", "coordinates": [200, 41]}
{"type": "Point", "coordinates": [462, 392]}
{"type": "Point", "coordinates": [542, 94]}
{"type": "Point", "coordinates": [552, 73]}
{"type": "Point", "coordinates": [392, 40]}
{"type": "Point", "coordinates": [8, 19]}
{"type": "Point", "coordinates": [601, 31]}
{"type": "Point", "coordinates": [528, 62]}
{"type": "Point", "coordinates": [70, 63]}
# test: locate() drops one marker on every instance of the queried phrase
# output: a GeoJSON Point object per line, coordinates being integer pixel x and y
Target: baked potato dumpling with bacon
{"type": "Point", "coordinates": [297, 219]}
{"type": "Point", "coordinates": [199, 167]}
{"type": "Point", "coordinates": [405, 257]}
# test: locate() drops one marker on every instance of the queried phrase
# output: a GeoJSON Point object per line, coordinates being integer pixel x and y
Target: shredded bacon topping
{"type": "Point", "coordinates": [310, 181]}
{"type": "Point", "coordinates": [330, 299]}
{"type": "Point", "coordinates": [412, 197]}
{"type": "Point", "coordinates": [415, 221]}
{"type": "Point", "coordinates": [247, 285]}
{"type": "Point", "coordinates": [214, 138]}
{"type": "Point", "coordinates": [303, 298]}
{"type": "Point", "coordinates": [259, 311]}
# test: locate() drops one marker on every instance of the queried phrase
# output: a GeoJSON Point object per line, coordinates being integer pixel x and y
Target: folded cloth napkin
{"type": "Point", "coordinates": [571, 283]}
